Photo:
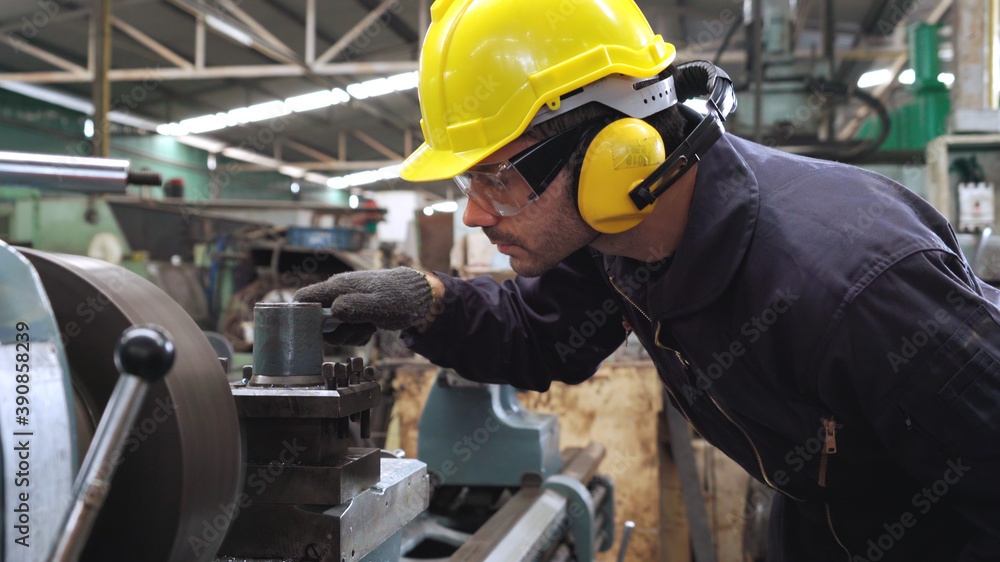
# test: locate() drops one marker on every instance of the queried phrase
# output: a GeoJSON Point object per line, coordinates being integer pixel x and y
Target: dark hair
{"type": "Point", "coordinates": [669, 123]}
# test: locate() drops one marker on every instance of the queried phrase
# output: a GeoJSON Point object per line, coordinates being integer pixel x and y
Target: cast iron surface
{"type": "Point", "coordinates": [185, 459]}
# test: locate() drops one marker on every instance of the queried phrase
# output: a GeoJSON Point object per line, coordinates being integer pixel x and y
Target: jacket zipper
{"type": "Point", "coordinates": [829, 522]}
{"type": "Point", "coordinates": [829, 447]}
{"type": "Point", "coordinates": [647, 317]}
{"type": "Point", "coordinates": [687, 366]}
{"type": "Point", "coordinates": [756, 453]}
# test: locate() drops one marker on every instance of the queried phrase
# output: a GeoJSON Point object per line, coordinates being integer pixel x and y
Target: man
{"type": "Point", "coordinates": [782, 299]}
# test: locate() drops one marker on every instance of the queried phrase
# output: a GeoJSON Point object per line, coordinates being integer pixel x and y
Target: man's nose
{"type": "Point", "coordinates": [476, 216]}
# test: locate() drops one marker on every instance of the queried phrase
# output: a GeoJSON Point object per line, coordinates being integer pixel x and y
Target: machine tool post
{"type": "Point", "coordinates": [143, 356]}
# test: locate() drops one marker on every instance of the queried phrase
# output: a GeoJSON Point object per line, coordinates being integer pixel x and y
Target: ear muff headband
{"type": "Point", "coordinates": [721, 104]}
{"type": "Point", "coordinates": [629, 153]}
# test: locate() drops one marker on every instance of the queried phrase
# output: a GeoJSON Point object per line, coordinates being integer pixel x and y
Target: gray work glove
{"type": "Point", "coordinates": [390, 299]}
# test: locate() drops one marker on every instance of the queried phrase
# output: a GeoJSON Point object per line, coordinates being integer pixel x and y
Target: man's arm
{"type": "Point", "coordinates": [918, 353]}
{"type": "Point", "coordinates": [526, 332]}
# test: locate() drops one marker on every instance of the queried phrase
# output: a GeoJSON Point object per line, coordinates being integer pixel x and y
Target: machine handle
{"type": "Point", "coordinates": [145, 351]}
{"type": "Point", "coordinates": [143, 356]}
{"type": "Point", "coordinates": [626, 537]}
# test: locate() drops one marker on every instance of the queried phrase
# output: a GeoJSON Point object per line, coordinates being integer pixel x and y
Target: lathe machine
{"type": "Point", "coordinates": [121, 438]}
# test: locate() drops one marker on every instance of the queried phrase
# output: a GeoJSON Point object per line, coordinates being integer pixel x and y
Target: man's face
{"type": "Point", "coordinates": [544, 233]}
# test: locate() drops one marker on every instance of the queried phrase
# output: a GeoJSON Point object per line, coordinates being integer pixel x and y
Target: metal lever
{"type": "Point", "coordinates": [143, 356]}
{"type": "Point", "coordinates": [626, 536]}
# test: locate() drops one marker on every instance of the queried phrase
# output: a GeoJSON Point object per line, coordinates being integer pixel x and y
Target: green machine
{"type": "Point", "coordinates": [916, 124]}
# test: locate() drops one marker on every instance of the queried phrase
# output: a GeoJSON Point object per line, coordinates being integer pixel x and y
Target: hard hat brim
{"type": "Point", "coordinates": [427, 164]}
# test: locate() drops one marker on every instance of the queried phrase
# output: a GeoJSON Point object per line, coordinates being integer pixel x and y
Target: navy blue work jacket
{"type": "Point", "coordinates": [818, 324]}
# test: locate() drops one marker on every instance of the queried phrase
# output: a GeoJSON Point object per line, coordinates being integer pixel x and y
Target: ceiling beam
{"type": "Point", "coordinates": [397, 25]}
{"type": "Point", "coordinates": [308, 151]}
{"type": "Point", "coordinates": [69, 67]}
{"type": "Point", "coordinates": [258, 42]}
{"type": "Point", "coordinates": [253, 24]}
{"type": "Point", "coordinates": [328, 166]}
{"type": "Point", "coordinates": [80, 74]}
{"type": "Point", "coordinates": [355, 31]}
{"type": "Point", "coordinates": [377, 146]}
{"type": "Point", "coordinates": [151, 44]}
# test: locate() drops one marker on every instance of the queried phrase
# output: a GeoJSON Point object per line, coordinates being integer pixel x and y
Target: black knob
{"type": "Point", "coordinates": [146, 351]}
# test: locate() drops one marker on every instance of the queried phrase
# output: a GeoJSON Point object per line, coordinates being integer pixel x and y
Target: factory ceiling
{"type": "Point", "coordinates": [175, 60]}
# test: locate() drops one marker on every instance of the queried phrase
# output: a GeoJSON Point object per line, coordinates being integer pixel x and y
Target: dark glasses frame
{"type": "Point", "coordinates": [540, 163]}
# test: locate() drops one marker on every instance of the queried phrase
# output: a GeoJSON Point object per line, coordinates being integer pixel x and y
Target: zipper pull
{"type": "Point", "coordinates": [628, 330]}
{"type": "Point", "coordinates": [683, 361]}
{"type": "Point", "coordinates": [830, 443]}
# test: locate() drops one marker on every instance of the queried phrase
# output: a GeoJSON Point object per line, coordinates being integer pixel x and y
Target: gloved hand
{"type": "Point", "coordinates": [365, 300]}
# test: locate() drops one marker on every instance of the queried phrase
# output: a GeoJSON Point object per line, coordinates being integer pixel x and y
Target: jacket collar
{"type": "Point", "coordinates": [721, 221]}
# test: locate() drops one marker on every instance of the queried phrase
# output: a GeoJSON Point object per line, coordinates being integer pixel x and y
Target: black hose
{"type": "Point", "coordinates": [862, 148]}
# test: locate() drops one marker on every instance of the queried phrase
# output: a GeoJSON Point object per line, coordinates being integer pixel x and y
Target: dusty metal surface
{"type": "Point", "coordinates": [333, 534]}
{"type": "Point", "coordinates": [182, 460]}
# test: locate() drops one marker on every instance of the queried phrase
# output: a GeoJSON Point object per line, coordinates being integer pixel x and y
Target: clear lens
{"type": "Point", "coordinates": [505, 190]}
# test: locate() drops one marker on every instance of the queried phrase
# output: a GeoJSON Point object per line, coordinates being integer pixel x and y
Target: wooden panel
{"type": "Point", "coordinates": [617, 407]}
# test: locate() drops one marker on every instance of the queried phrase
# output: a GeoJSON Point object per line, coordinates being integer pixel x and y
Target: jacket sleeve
{"type": "Point", "coordinates": [918, 352]}
{"type": "Point", "coordinates": [526, 332]}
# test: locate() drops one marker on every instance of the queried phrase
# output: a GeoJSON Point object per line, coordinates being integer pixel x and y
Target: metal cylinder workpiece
{"type": "Point", "coordinates": [288, 343]}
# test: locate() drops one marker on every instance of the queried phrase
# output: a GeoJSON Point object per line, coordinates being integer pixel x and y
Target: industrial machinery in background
{"type": "Point", "coordinates": [216, 258]}
{"type": "Point", "coordinates": [502, 488]}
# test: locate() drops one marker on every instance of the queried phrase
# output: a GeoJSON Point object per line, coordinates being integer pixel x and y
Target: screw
{"type": "Point", "coordinates": [366, 424]}
{"type": "Point", "coordinates": [368, 375]}
{"type": "Point", "coordinates": [340, 372]}
{"type": "Point", "coordinates": [329, 376]}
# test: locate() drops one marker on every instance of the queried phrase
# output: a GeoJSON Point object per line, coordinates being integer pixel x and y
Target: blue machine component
{"type": "Point", "coordinates": [473, 434]}
{"type": "Point", "coordinates": [337, 238]}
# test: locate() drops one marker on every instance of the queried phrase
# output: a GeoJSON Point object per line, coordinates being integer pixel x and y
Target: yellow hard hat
{"type": "Point", "coordinates": [487, 66]}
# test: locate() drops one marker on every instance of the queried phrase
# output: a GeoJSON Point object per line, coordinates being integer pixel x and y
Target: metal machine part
{"type": "Point", "coordinates": [288, 343]}
{"type": "Point", "coordinates": [529, 440]}
{"type": "Point", "coordinates": [523, 508]}
{"type": "Point", "coordinates": [307, 494]}
{"type": "Point", "coordinates": [560, 518]}
{"type": "Point", "coordinates": [71, 173]}
{"type": "Point", "coordinates": [187, 435]}
{"type": "Point", "coordinates": [143, 356]}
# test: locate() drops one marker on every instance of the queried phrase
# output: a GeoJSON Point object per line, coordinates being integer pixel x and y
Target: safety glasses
{"type": "Point", "coordinates": [508, 186]}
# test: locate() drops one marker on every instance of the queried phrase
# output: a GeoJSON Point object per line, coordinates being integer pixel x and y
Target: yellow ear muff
{"type": "Point", "coordinates": [618, 159]}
